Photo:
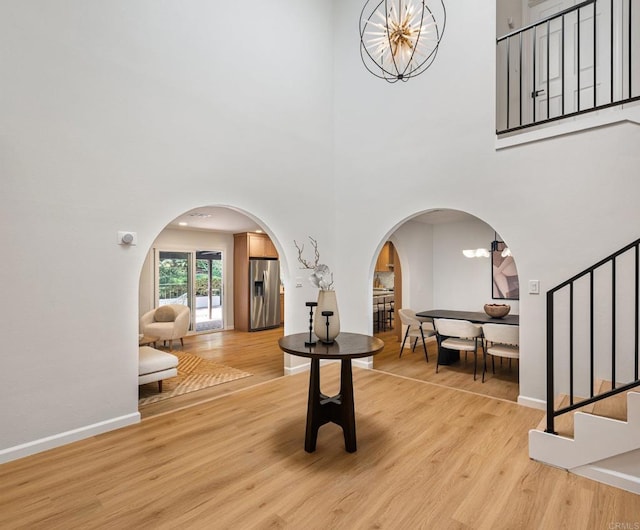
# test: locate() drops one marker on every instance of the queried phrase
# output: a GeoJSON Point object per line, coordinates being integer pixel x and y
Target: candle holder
{"type": "Point", "coordinates": [327, 314]}
{"type": "Point", "coordinates": [311, 342]}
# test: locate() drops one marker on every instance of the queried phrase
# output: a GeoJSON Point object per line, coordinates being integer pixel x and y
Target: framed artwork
{"type": "Point", "coordinates": [504, 274]}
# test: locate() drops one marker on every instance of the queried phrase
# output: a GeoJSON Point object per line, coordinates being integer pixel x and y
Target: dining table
{"type": "Point", "coordinates": [447, 356]}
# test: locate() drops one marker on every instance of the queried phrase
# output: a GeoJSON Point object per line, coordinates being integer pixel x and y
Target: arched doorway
{"type": "Point", "coordinates": [439, 271]}
{"type": "Point", "coordinates": [194, 261]}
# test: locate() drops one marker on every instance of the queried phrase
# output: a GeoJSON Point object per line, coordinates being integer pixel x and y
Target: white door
{"type": "Point", "coordinates": [563, 78]}
{"type": "Point", "coordinates": [593, 65]}
{"type": "Point", "coordinates": [548, 50]}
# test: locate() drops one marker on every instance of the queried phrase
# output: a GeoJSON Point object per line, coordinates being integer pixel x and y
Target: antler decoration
{"type": "Point", "coordinates": [305, 263]}
{"type": "Point", "coordinates": [322, 277]}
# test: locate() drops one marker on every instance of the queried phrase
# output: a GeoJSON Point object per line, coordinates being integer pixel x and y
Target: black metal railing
{"type": "Point", "coordinates": [608, 290]}
{"type": "Point", "coordinates": [579, 60]}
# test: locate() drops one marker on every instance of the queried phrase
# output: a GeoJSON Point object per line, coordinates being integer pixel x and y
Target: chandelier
{"type": "Point", "coordinates": [399, 39]}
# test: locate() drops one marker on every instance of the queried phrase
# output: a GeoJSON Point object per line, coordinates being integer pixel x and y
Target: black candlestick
{"type": "Point", "coordinates": [310, 305]}
{"type": "Point", "coordinates": [327, 314]}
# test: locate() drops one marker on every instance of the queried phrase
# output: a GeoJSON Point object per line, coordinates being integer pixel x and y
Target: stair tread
{"type": "Point", "coordinates": [614, 407]}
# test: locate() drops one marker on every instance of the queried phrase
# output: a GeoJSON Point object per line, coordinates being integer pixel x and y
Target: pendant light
{"type": "Point", "coordinates": [399, 39]}
{"type": "Point", "coordinates": [500, 246]}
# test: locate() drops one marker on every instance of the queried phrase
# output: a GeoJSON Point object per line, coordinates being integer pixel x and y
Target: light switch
{"type": "Point", "coordinates": [298, 282]}
{"type": "Point", "coordinates": [534, 286]}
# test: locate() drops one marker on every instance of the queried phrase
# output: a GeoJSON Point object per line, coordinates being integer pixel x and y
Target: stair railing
{"type": "Point", "coordinates": [629, 253]}
{"type": "Point", "coordinates": [559, 82]}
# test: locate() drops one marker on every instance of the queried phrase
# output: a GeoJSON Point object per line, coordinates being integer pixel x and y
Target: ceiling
{"type": "Point", "coordinates": [437, 217]}
{"type": "Point", "coordinates": [221, 219]}
{"type": "Point", "coordinates": [215, 218]}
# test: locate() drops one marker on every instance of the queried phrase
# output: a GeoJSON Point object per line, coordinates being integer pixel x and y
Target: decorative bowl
{"type": "Point", "coordinates": [497, 310]}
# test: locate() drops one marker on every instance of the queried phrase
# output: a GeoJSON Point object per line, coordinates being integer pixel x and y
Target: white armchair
{"type": "Point", "coordinates": [167, 322]}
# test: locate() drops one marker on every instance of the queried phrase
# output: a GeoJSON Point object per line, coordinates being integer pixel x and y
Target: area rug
{"type": "Point", "coordinates": [194, 373]}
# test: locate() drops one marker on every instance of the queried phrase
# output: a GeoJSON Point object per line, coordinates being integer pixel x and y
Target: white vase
{"type": "Point", "coordinates": [326, 302]}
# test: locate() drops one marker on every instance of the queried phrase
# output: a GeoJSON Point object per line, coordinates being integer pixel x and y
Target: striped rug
{"type": "Point", "coordinates": [194, 373]}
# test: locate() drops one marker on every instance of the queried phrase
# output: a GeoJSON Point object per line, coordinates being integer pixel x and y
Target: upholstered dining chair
{"type": "Point", "coordinates": [459, 335]}
{"type": "Point", "coordinates": [415, 330]}
{"type": "Point", "coordinates": [167, 323]}
{"type": "Point", "coordinates": [501, 340]}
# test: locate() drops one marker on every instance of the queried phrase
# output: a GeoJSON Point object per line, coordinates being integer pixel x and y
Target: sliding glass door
{"type": "Point", "coordinates": [208, 294]}
{"type": "Point", "coordinates": [192, 278]}
{"type": "Point", "coordinates": [174, 283]}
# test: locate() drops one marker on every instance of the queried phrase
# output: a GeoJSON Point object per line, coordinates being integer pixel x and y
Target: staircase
{"type": "Point", "coordinates": [592, 426]}
{"type": "Point", "coordinates": [595, 446]}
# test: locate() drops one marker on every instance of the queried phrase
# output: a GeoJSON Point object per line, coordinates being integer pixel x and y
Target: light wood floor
{"type": "Point", "coordinates": [503, 384]}
{"type": "Point", "coordinates": [257, 353]}
{"type": "Point", "coordinates": [428, 457]}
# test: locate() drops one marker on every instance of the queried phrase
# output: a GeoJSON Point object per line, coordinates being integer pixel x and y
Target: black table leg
{"type": "Point", "coordinates": [447, 356]}
{"type": "Point", "coordinates": [348, 416]}
{"type": "Point", "coordinates": [338, 409]}
{"type": "Point", "coordinates": [313, 408]}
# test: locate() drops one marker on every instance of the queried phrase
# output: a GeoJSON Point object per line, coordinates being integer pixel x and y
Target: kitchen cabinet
{"type": "Point", "coordinates": [385, 261]}
{"type": "Point", "coordinates": [261, 246]}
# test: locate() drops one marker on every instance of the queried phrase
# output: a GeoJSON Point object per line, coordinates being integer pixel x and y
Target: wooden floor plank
{"type": "Point", "coordinates": [503, 384]}
{"type": "Point", "coordinates": [254, 352]}
{"type": "Point", "coordinates": [428, 457]}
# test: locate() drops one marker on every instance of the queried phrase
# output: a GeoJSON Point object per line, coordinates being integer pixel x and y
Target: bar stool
{"type": "Point", "coordinates": [377, 313]}
{"type": "Point", "coordinates": [387, 312]}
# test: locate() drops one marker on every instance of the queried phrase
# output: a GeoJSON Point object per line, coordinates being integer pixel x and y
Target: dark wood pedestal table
{"type": "Point", "coordinates": [338, 409]}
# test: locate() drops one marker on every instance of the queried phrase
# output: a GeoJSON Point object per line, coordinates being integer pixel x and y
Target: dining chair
{"type": "Point", "coordinates": [501, 340]}
{"type": "Point", "coordinates": [415, 330]}
{"type": "Point", "coordinates": [459, 335]}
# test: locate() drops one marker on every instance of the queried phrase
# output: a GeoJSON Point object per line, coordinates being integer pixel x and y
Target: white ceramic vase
{"type": "Point", "coordinates": [326, 302]}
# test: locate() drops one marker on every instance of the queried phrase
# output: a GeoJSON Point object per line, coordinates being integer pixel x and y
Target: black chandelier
{"type": "Point", "coordinates": [399, 39]}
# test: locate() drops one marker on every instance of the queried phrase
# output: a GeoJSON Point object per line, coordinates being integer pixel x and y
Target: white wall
{"type": "Point", "coordinates": [122, 115]}
{"type": "Point", "coordinates": [110, 109]}
{"type": "Point", "coordinates": [435, 273]}
{"type": "Point", "coordinates": [561, 204]}
{"type": "Point", "coordinates": [413, 242]}
{"type": "Point", "coordinates": [459, 282]}
{"type": "Point", "coordinates": [189, 240]}
{"type": "Point", "coordinates": [508, 10]}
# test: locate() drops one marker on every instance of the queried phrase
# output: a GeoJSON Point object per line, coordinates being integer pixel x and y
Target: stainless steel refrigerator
{"type": "Point", "coordinates": [264, 295]}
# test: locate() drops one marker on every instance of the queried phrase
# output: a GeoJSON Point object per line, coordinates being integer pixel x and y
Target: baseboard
{"type": "Point", "coordinates": [63, 438]}
{"type": "Point", "coordinates": [365, 362]}
{"type": "Point", "coordinates": [532, 403]}
{"type": "Point", "coordinates": [297, 369]}
{"type": "Point", "coordinates": [608, 476]}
